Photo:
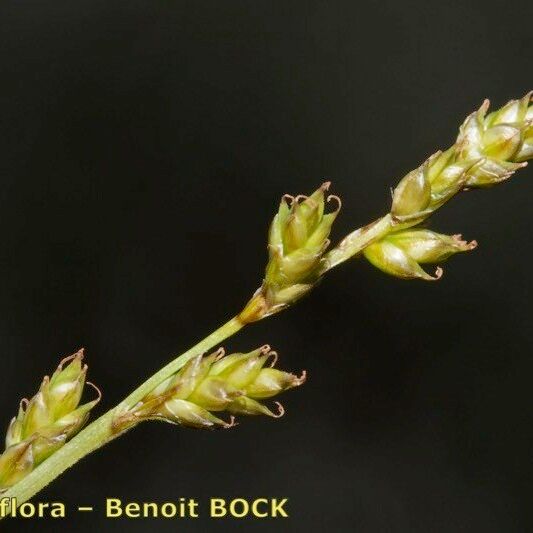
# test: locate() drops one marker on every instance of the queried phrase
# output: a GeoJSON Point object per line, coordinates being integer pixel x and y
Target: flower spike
{"type": "Point", "coordinates": [233, 383]}
{"type": "Point", "coordinates": [298, 238]}
{"type": "Point", "coordinates": [488, 150]}
{"type": "Point", "coordinates": [45, 422]}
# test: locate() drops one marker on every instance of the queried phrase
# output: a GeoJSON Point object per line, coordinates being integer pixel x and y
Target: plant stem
{"type": "Point", "coordinates": [356, 241]}
{"type": "Point", "coordinates": [216, 337]}
{"type": "Point", "coordinates": [101, 432]}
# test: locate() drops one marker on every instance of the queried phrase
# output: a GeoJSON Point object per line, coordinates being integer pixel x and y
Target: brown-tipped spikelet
{"type": "Point", "coordinates": [215, 383]}
{"type": "Point", "coordinates": [401, 254]}
{"type": "Point", "coordinates": [297, 240]}
{"type": "Point", "coordinates": [45, 422]}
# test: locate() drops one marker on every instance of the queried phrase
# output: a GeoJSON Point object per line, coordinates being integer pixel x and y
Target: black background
{"type": "Point", "coordinates": [144, 147]}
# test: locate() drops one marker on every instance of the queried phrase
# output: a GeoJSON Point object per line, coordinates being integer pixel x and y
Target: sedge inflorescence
{"type": "Point", "coordinates": [45, 422]}
{"type": "Point", "coordinates": [211, 384]}
{"type": "Point", "coordinates": [194, 389]}
{"type": "Point", "coordinates": [297, 241]}
{"type": "Point", "coordinates": [488, 150]}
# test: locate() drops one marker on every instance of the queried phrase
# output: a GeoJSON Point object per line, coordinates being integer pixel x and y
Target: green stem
{"type": "Point", "coordinates": [101, 432]}
{"type": "Point", "coordinates": [216, 337]}
{"type": "Point", "coordinates": [356, 241]}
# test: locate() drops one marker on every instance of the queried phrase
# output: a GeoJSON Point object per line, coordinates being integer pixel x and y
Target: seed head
{"type": "Point", "coordinates": [488, 150]}
{"type": "Point", "coordinates": [298, 238]}
{"type": "Point", "coordinates": [45, 422]}
{"type": "Point", "coordinates": [401, 254]}
{"type": "Point", "coordinates": [501, 141]}
{"type": "Point", "coordinates": [215, 383]}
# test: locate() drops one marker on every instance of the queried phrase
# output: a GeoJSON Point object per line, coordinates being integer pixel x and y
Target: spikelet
{"type": "Point", "coordinates": [400, 254]}
{"type": "Point", "coordinates": [488, 150]}
{"type": "Point", "coordinates": [211, 384]}
{"type": "Point", "coordinates": [297, 241]}
{"type": "Point", "coordinates": [44, 423]}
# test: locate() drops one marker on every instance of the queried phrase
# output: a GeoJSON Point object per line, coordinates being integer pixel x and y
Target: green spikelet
{"type": "Point", "coordinates": [45, 422]}
{"type": "Point", "coordinates": [215, 383]}
{"type": "Point", "coordinates": [298, 238]}
{"type": "Point", "coordinates": [488, 150]}
{"type": "Point", "coordinates": [401, 254]}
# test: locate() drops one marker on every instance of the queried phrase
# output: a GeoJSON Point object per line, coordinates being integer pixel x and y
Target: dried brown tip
{"type": "Point", "coordinates": [438, 274]}
{"type": "Point", "coordinates": [264, 349]}
{"type": "Point", "coordinates": [336, 199]}
{"type": "Point", "coordinates": [231, 424]}
{"type": "Point", "coordinates": [274, 356]}
{"type": "Point", "coordinates": [281, 410]}
{"type": "Point", "coordinates": [98, 391]}
{"type": "Point", "coordinates": [80, 353]}
{"type": "Point", "coordinates": [326, 185]}
{"type": "Point", "coordinates": [300, 380]}
{"type": "Point", "coordinates": [289, 198]}
{"type": "Point", "coordinates": [300, 198]}
{"type": "Point", "coordinates": [465, 244]}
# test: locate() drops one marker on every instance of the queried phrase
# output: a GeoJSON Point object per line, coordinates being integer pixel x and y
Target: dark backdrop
{"type": "Point", "coordinates": [145, 145]}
